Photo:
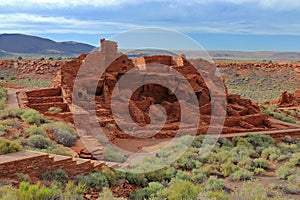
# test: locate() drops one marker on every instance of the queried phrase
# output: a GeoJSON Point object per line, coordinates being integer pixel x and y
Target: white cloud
{"type": "Point", "coordinates": [35, 24]}
{"type": "Point", "coordinates": [266, 4]}
{"type": "Point", "coordinates": [30, 23]}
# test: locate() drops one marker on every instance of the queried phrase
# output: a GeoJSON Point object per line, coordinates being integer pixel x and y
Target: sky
{"type": "Point", "coordinates": [245, 25]}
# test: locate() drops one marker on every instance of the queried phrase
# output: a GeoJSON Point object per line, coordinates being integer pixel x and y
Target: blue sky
{"type": "Point", "coordinates": [248, 25]}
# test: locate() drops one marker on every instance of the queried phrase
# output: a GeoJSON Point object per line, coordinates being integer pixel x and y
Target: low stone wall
{"type": "Point", "coordinates": [36, 165]}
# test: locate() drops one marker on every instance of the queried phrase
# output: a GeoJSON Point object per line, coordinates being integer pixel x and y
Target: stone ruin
{"type": "Point", "coordinates": [287, 99]}
{"type": "Point", "coordinates": [242, 115]}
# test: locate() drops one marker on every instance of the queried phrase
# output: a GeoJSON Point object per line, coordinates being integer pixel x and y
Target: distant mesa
{"type": "Point", "coordinates": [12, 45]}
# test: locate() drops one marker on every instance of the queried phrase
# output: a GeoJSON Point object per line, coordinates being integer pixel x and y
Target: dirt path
{"type": "Point", "coordinates": [12, 101]}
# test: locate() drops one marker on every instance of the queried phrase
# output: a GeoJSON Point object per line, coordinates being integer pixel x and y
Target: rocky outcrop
{"type": "Point", "coordinates": [287, 99]}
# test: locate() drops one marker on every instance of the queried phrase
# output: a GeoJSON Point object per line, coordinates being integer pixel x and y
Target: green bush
{"type": "Point", "coordinates": [97, 181]}
{"type": "Point", "coordinates": [262, 141]}
{"type": "Point", "coordinates": [182, 175]}
{"type": "Point", "coordinates": [186, 161]}
{"type": "Point", "coordinates": [15, 112]}
{"type": "Point", "coordinates": [109, 174]}
{"type": "Point", "coordinates": [261, 163]}
{"type": "Point", "coordinates": [7, 146]}
{"type": "Point", "coordinates": [106, 194]}
{"type": "Point", "coordinates": [57, 175]}
{"type": "Point", "coordinates": [295, 160]}
{"type": "Point", "coordinates": [241, 175]}
{"type": "Point", "coordinates": [110, 126]}
{"type": "Point", "coordinates": [259, 171]}
{"type": "Point", "coordinates": [228, 168]}
{"type": "Point", "coordinates": [3, 130]}
{"type": "Point", "coordinates": [213, 183]}
{"type": "Point", "coordinates": [34, 130]}
{"type": "Point", "coordinates": [251, 190]}
{"type": "Point", "coordinates": [54, 110]}
{"type": "Point", "coordinates": [198, 177]}
{"type": "Point", "coordinates": [65, 138]}
{"type": "Point", "coordinates": [114, 156]}
{"type": "Point", "coordinates": [136, 178]}
{"type": "Point", "coordinates": [166, 173]}
{"type": "Point", "coordinates": [181, 189]}
{"type": "Point", "coordinates": [23, 177]}
{"type": "Point", "coordinates": [147, 192]}
{"type": "Point", "coordinates": [13, 123]}
{"type": "Point", "coordinates": [62, 133]}
{"type": "Point", "coordinates": [285, 170]}
{"type": "Point", "coordinates": [32, 117]}
{"type": "Point", "coordinates": [39, 142]}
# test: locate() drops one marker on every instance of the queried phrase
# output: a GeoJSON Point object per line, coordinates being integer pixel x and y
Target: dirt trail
{"type": "Point", "coordinates": [12, 101]}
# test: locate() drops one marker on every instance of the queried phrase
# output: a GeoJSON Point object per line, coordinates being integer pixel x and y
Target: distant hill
{"type": "Point", "coordinates": [12, 45]}
{"type": "Point", "coordinates": [242, 55]}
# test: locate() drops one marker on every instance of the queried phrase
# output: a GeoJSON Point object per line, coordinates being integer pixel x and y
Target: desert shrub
{"type": "Point", "coordinates": [3, 130]}
{"type": "Point", "coordinates": [285, 170]}
{"type": "Point", "coordinates": [224, 143]}
{"type": "Point", "coordinates": [3, 98]}
{"type": "Point", "coordinates": [292, 186]}
{"type": "Point", "coordinates": [245, 163]}
{"type": "Point", "coordinates": [241, 174]}
{"type": "Point", "coordinates": [261, 163]}
{"type": "Point", "coordinates": [33, 117]}
{"type": "Point", "coordinates": [228, 168]}
{"type": "Point", "coordinates": [54, 110]}
{"type": "Point", "coordinates": [166, 173]}
{"type": "Point", "coordinates": [180, 189]}
{"type": "Point", "coordinates": [72, 191]}
{"type": "Point", "coordinates": [110, 126]}
{"type": "Point", "coordinates": [262, 141]}
{"type": "Point", "coordinates": [106, 194]}
{"type": "Point", "coordinates": [34, 130]}
{"type": "Point", "coordinates": [147, 192]}
{"type": "Point", "coordinates": [7, 146]}
{"type": "Point", "coordinates": [62, 133]}
{"type": "Point", "coordinates": [65, 138]}
{"type": "Point", "coordinates": [271, 153]}
{"type": "Point", "coordinates": [58, 150]}
{"type": "Point", "coordinates": [36, 191]}
{"type": "Point", "coordinates": [113, 155]}
{"type": "Point", "coordinates": [250, 190]}
{"type": "Point", "coordinates": [136, 178]}
{"type": "Point", "coordinates": [182, 175]}
{"type": "Point", "coordinates": [8, 192]}
{"type": "Point", "coordinates": [57, 126]}
{"type": "Point", "coordinates": [109, 174]}
{"type": "Point", "coordinates": [288, 148]}
{"type": "Point", "coordinates": [60, 176]}
{"type": "Point", "coordinates": [186, 161]}
{"type": "Point", "coordinates": [102, 139]}
{"type": "Point", "coordinates": [238, 141]}
{"type": "Point", "coordinates": [213, 183]}
{"type": "Point", "coordinates": [23, 177]}
{"type": "Point", "coordinates": [15, 112]}
{"type": "Point", "coordinates": [259, 171]}
{"type": "Point", "coordinates": [198, 177]}
{"type": "Point", "coordinates": [39, 142]}
{"type": "Point", "coordinates": [295, 160]}
{"type": "Point", "coordinates": [197, 142]}
{"type": "Point", "coordinates": [206, 169]}
{"type": "Point", "coordinates": [57, 175]}
{"type": "Point", "coordinates": [13, 123]}
{"type": "Point", "coordinates": [97, 181]}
